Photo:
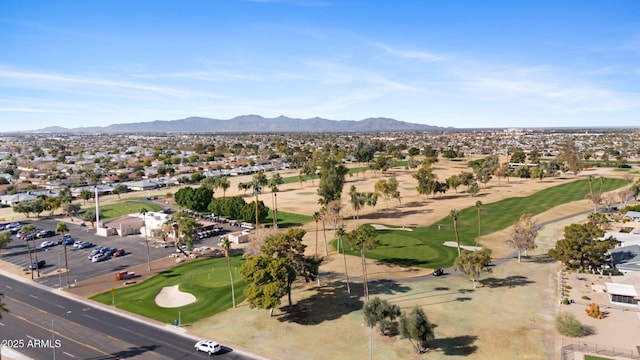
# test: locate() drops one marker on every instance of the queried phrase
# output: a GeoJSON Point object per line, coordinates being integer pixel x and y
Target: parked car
{"type": "Point", "coordinates": [82, 244]}
{"type": "Point", "coordinates": [207, 346]}
{"type": "Point", "coordinates": [66, 241]}
{"type": "Point", "coordinates": [85, 244]}
{"type": "Point", "coordinates": [45, 233]}
{"type": "Point", "coordinates": [46, 244]}
{"type": "Point", "coordinates": [438, 272]}
{"type": "Point", "coordinates": [110, 252]}
{"type": "Point", "coordinates": [97, 250]}
{"type": "Point", "coordinates": [37, 265]}
{"type": "Point", "coordinates": [119, 252]}
{"type": "Point", "coordinates": [98, 257]}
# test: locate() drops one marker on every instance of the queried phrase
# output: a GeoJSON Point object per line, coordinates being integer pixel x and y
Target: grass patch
{"type": "Point", "coordinates": [592, 357]}
{"type": "Point", "coordinates": [287, 219]}
{"type": "Point", "coordinates": [207, 279]}
{"type": "Point", "coordinates": [116, 210]}
{"type": "Point", "coordinates": [423, 246]}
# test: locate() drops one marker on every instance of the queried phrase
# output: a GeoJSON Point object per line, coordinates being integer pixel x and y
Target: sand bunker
{"type": "Point", "coordinates": [466, 247]}
{"type": "Point", "coordinates": [171, 297]}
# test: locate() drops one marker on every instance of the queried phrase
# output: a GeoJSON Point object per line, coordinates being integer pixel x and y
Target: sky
{"type": "Point", "coordinates": [465, 64]}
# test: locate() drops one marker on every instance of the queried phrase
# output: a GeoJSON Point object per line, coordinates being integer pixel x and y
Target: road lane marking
{"type": "Point", "coordinates": [89, 316]}
{"type": "Point", "coordinates": [70, 355]}
{"type": "Point", "coordinates": [8, 287]}
{"type": "Point", "coordinates": [33, 296]}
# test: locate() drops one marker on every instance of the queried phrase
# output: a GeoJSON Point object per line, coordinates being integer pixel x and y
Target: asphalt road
{"type": "Point", "coordinates": [44, 325]}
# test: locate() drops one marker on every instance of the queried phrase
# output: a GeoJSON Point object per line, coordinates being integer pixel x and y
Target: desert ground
{"type": "Point", "coordinates": [510, 315]}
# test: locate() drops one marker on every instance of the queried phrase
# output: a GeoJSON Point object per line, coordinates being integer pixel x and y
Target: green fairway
{"type": "Point", "coordinates": [423, 246]}
{"type": "Point", "coordinates": [129, 207]}
{"type": "Point", "coordinates": [207, 279]}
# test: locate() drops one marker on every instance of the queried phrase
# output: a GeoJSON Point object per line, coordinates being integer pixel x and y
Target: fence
{"type": "Point", "coordinates": [570, 346]}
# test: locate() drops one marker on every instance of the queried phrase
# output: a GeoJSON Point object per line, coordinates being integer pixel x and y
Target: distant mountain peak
{"type": "Point", "coordinates": [252, 123]}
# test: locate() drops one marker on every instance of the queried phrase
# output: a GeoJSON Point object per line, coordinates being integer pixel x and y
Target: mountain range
{"type": "Point", "coordinates": [253, 124]}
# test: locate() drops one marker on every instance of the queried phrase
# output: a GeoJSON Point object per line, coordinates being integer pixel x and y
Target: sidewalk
{"type": "Point", "coordinates": [10, 354]}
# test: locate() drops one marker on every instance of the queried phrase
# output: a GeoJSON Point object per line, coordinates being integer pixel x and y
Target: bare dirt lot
{"type": "Point", "coordinates": [509, 316]}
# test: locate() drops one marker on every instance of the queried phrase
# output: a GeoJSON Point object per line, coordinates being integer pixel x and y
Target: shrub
{"type": "Point", "coordinates": [568, 287]}
{"type": "Point", "coordinates": [585, 297]}
{"type": "Point", "coordinates": [565, 301]}
{"type": "Point", "coordinates": [593, 310]}
{"type": "Point", "coordinates": [567, 325]}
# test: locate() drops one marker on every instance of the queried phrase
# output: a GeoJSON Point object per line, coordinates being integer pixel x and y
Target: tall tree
{"type": "Point", "coordinates": [30, 231]}
{"type": "Point", "coordinates": [583, 247]}
{"type": "Point", "coordinates": [363, 238]}
{"type": "Point", "coordinates": [183, 226]}
{"type": "Point", "coordinates": [267, 279]}
{"type": "Point", "coordinates": [523, 235]}
{"type": "Point", "coordinates": [453, 214]}
{"type": "Point", "coordinates": [226, 247]}
{"type": "Point", "coordinates": [332, 178]}
{"type": "Point", "coordinates": [572, 158]}
{"type": "Point", "coordinates": [224, 184]}
{"type": "Point", "coordinates": [62, 229]}
{"type": "Point", "coordinates": [316, 217]}
{"type": "Point", "coordinates": [258, 182]}
{"type": "Point", "coordinates": [274, 184]}
{"type": "Point", "coordinates": [417, 329]}
{"type": "Point", "coordinates": [341, 234]}
{"type": "Point", "coordinates": [472, 263]}
{"type": "Point", "coordinates": [289, 246]}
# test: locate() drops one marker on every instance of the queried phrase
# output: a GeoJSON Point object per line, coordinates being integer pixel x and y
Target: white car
{"type": "Point", "coordinates": [207, 346]}
{"type": "Point", "coordinates": [98, 257]}
{"type": "Point", "coordinates": [46, 244]}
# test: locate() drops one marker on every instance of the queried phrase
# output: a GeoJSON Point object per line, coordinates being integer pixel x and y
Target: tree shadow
{"type": "Point", "coordinates": [329, 303]}
{"type": "Point", "coordinates": [386, 287]}
{"type": "Point", "coordinates": [509, 281]}
{"type": "Point", "coordinates": [127, 353]}
{"type": "Point", "coordinates": [540, 259]}
{"type": "Point", "coordinates": [456, 346]}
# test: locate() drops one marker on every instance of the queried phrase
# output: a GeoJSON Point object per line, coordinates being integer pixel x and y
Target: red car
{"type": "Point", "coordinates": [119, 252]}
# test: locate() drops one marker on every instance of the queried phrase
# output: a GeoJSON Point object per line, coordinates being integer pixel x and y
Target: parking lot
{"type": "Point", "coordinates": [80, 266]}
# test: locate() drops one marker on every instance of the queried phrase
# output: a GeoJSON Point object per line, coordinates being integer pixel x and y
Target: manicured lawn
{"type": "Point", "coordinates": [423, 246]}
{"type": "Point", "coordinates": [207, 279]}
{"type": "Point", "coordinates": [287, 219]}
{"type": "Point", "coordinates": [116, 210]}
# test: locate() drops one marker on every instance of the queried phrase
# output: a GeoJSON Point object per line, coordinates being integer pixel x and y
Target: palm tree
{"type": "Point", "coordinates": [478, 205]}
{"type": "Point", "coordinates": [30, 230]}
{"type": "Point", "coordinates": [316, 218]}
{"type": "Point", "coordinates": [454, 213]}
{"type": "Point", "coordinates": [61, 229]}
{"type": "Point", "coordinates": [144, 211]}
{"type": "Point", "coordinates": [226, 247]}
{"type": "Point", "coordinates": [224, 184]}
{"type": "Point", "coordinates": [364, 237]}
{"type": "Point", "coordinates": [341, 233]}
{"type": "Point", "coordinates": [259, 180]}
{"type": "Point", "coordinates": [275, 181]}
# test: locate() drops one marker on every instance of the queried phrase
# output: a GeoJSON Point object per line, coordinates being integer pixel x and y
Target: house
{"type": "Point", "coordinates": [624, 290]}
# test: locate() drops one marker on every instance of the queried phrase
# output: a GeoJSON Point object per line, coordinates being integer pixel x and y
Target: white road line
{"type": "Point", "coordinates": [31, 337]}
{"type": "Point", "coordinates": [66, 353]}
{"type": "Point", "coordinates": [60, 306]}
{"type": "Point", "coordinates": [90, 317]}
{"type": "Point", "coordinates": [33, 296]}
{"type": "Point", "coordinates": [1, 324]}
{"type": "Point", "coordinates": [8, 287]}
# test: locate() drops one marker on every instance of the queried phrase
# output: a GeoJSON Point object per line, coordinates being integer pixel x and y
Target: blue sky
{"type": "Point", "coordinates": [464, 64]}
